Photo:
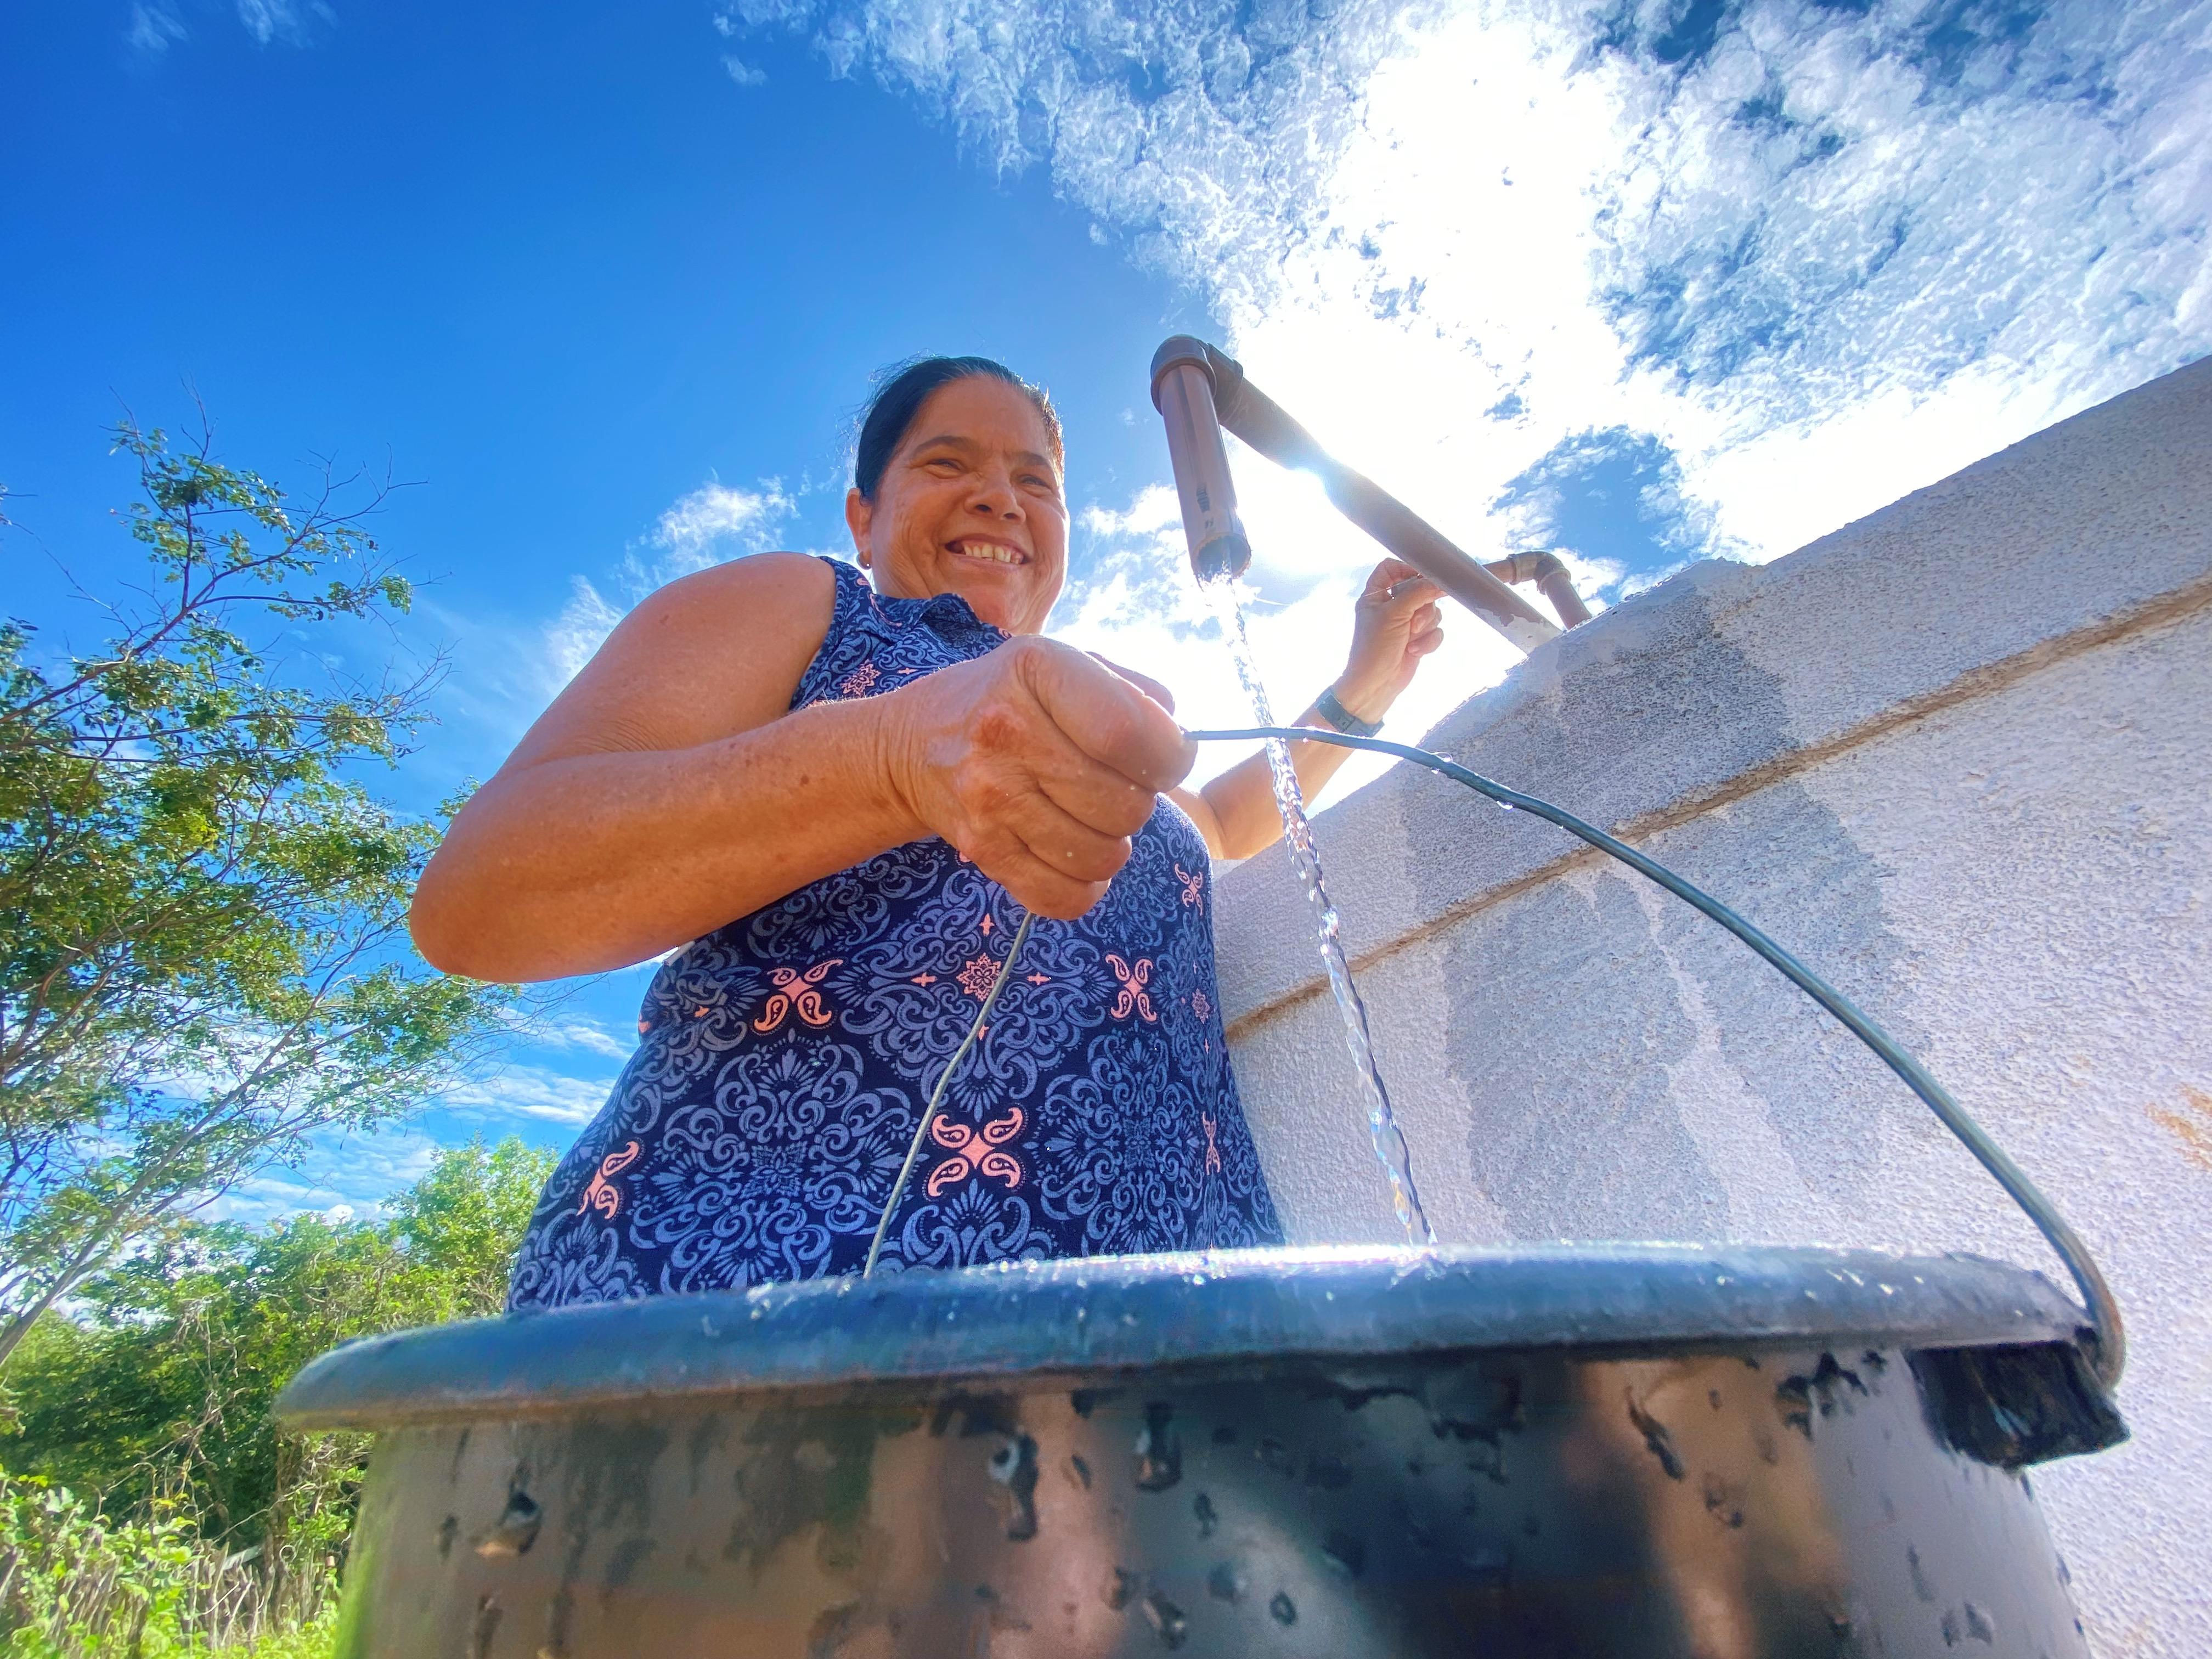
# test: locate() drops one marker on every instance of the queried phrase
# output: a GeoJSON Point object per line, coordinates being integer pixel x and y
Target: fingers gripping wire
{"type": "Point", "coordinates": [2109, 1355]}
{"type": "Point", "coordinates": [936, 1094]}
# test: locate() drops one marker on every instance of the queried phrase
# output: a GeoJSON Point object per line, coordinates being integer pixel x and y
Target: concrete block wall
{"type": "Point", "coordinates": [1957, 754]}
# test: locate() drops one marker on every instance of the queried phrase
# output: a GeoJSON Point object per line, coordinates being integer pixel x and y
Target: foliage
{"type": "Point", "coordinates": [75, 1586]}
{"type": "Point", "coordinates": [203, 958]}
{"type": "Point", "coordinates": [154, 1397]}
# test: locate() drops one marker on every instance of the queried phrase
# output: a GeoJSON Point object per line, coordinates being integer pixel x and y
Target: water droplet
{"type": "Point", "coordinates": [449, 1530]}
{"type": "Point", "coordinates": [1285, 1610]}
{"type": "Point", "coordinates": [1346, 1553]}
{"type": "Point", "coordinates": [1159, 1449]}
{"type": "Point", "coordinates": [1207, 1519]}
{"type": "Point", "coordinates": [1921, 1587]}
{"type": "Point", "coordinates": [1087, 1401]}
{"type": "Point", "coordinates": [1014, 1466]}
{"type": "Point", "coordinates": [1657, 1440]}
{"type": "Point", "coordinates": [1167, 1619]}
{"type": "Point", "coordinates": [515, 1530]}
{"type": "Point", "coordinates": [1121, 1584]}
{"type": "Point", "coordinates": [484, 1628]}
{"type": "Point", "coordinates": [1724, 1502]}
{"type": "Point", "coordinates": [1225, 1583]}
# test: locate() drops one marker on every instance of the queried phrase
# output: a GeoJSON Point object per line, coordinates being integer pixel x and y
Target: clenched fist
{"type": "Point", "coordinates": [1038, 761]}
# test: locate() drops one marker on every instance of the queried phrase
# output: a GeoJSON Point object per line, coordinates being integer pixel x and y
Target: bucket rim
{"type": "Point", "coordinates": [1120, 1315]}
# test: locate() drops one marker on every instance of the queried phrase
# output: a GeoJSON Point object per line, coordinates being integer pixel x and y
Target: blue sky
{"type": "Point", "coordinates": [1650, 281]}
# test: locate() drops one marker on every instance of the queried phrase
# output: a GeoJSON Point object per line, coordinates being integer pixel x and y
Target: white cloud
{"type": "Point", "coordinates": [704, 527]}
{"type": "Point", "coordinates": [704, 523]}
{"type": "Point", "coordinates": [586, 1035]}
{"type": "Point", "coordinates": [530, 1091]}
{"type": "Point", "coordinates": [1825, 255]}
{"type": "Point", "coordinates": [582, 627]}
{"type": "Point", "coordinates": [560, 1028]}
{"type": "Point", "coordinates": [349, 1173]}
{"type": "Point", "coordinates": [1154, 511]}
{"type": "Point", "coordinates": [281, 19]}
{"type": "Point", "coordinates": [154, 27]}
{"type": "Point", "coordinates": [744, 73]}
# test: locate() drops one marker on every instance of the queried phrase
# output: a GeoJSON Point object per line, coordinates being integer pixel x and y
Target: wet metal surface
{"type": "Point", "coordinates": [1750, 1496]}
{"type": "Point", "coordinates": [1135, 1312]}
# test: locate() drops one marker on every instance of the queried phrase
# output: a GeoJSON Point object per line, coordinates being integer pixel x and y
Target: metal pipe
{"type": "Point", "coordinates": [1257, 418]}
{"type": "Point", "coordinates": [1544, 568]}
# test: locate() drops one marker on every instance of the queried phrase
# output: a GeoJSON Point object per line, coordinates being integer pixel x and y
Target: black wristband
{"type": "Point", "coordinates": [1333, 713]}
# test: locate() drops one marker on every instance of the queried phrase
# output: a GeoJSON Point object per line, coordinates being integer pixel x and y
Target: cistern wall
{"type": "Point", "coordinates": [1956, 756]}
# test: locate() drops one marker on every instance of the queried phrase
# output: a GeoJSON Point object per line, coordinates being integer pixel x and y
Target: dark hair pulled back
{"type": "Point", "coordinates": [904, 388]}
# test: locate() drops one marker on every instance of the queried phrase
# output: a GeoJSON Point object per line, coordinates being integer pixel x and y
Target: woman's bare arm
{"type": "Point", "coordinates": [667, 791]}
{"type": "Point", "coordinates": [1396, 624]}
{"type": "Point", "coordinates": [636, 812]}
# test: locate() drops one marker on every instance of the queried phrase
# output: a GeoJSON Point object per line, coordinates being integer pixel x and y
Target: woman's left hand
{"type": "Point", "coordinates": [1395, 623]}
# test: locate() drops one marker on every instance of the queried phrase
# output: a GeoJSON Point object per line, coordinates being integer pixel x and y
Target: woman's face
{"type": "Point", "coordinates": [970, 504]}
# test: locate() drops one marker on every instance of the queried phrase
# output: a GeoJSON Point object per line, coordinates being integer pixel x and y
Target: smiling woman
{"type": "Point", "coordinates": [878, 781]}
{"type": "Point", "coordinates": [907, 522]}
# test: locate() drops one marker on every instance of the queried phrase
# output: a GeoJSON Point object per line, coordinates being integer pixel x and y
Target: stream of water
{"type": "Point", "coordinates": [1389, 1140]}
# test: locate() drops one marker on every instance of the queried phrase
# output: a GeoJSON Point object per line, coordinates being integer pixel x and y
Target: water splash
{"type": "Point", "coordinates": [1389, 1140]}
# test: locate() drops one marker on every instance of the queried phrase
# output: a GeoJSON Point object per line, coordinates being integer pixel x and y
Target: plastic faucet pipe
{"type": "Point", "coordinates": [1544, 568]}
{"type": "Point", "coordinates": [1234, 402]}
{"type": "Point", "coordinates": [1182, 390]}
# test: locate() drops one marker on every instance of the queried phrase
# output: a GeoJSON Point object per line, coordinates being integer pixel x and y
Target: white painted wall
{"type": "Point", "coordinates": [1956, 755]}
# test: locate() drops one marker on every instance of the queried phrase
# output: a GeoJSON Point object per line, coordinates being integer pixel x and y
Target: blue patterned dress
{"type": "Point", "coordinates": [784, 1060]}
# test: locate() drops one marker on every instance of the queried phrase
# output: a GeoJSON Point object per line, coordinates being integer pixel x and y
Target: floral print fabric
{"type": "Point", "coordinates": [783, 1061]}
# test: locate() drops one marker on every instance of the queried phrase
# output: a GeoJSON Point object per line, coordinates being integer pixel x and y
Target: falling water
{"type": "Point", "coordinates": [1390, 1148]}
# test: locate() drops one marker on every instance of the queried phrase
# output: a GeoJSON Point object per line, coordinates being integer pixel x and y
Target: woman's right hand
{"type": "Point", "coordinates": [1037, 763]}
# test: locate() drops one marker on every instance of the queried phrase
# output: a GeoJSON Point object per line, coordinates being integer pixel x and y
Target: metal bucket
{"type": "Point", "coordinates": [1589, 1451]}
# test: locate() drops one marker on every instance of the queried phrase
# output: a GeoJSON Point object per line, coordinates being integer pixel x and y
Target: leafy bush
{"type": "Point", "coordinates": [202, 1519]}
{"type": "Point", "coordinates": [74, 1586]}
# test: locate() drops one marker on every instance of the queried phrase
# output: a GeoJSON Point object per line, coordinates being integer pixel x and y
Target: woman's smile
{"type": "Point", "coordinates": [970, 502]}
{"type": "Point", "coordinates": [988, 549]}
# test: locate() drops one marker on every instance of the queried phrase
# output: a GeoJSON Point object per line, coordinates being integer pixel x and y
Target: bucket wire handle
{"type": "Point", "coordinates": [2108, 1336]}
{"type": "Point", "coordinates": [936, 1094]}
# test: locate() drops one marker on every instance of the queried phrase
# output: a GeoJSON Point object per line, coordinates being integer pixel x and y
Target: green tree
{"type": "Point", "coordinates": [149, 1401]}
{"type": "Point", "coordinates": [152, 1395]}
{"type": "Point", "coordinates": [202, 948]}
{"type": "Point", "coordinates": [464, 1220]}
